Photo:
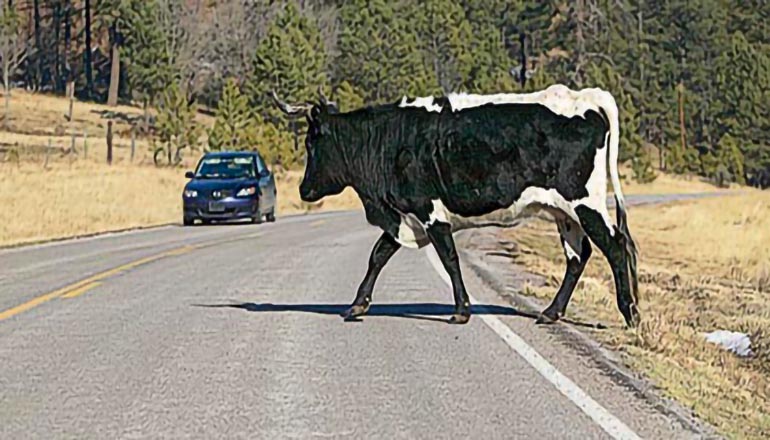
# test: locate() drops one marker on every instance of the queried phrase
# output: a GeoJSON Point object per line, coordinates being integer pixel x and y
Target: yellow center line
{"type": "Point", "coordinates": [78, 288]}
{"type": "Point", "coordinates": [317, 223]}
{"type": "Point", "coordinates": [81, 290]}
{"type": "Point", "coordinates": [82, 286]}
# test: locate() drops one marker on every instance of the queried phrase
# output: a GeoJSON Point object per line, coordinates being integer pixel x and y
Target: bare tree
{"type": "Point", "coordinates": [14, 50]}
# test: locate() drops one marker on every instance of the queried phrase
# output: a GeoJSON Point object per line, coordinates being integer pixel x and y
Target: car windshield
{"type": "Point", "coordinates": [235, 167]}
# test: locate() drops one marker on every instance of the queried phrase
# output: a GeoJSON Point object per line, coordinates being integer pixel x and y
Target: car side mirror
{"type": "Point", "coordinates": [189, 175]}
{"type": "Point", "coordinates": [264, 173]}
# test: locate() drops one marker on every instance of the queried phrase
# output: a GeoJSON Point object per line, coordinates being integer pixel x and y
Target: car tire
{"type": "Point", "coordinates": [270, 216]}
{"type": "Point", "coordinates": [188, 221]}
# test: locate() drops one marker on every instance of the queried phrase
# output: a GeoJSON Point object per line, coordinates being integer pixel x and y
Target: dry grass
{"type": "Point", "coordinates": [41, 114]}
{"type": "Point", "coordinates": [39, 120]}
{"type": "Point", "coordinates": [289, 201]}
{"type": "Point", "coordinates": [66, 200]}
{"type": "Point", "coordinates": [49, 195]}
{"type": "Point", "coordinates": [669, 184]}
{"type": "Point", "coordinates": [83, 198]}
{"type": "Point", "coordinates": [704, 265]}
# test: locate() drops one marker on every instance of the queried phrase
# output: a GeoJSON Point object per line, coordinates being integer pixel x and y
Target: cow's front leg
{"type": "Point", "coordinates": [385, 247]}
{"type": "Point", "coordinates": [440, 235]}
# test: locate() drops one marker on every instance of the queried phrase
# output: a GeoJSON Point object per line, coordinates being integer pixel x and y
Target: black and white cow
{"type": "Point", "coordinates": [428, 167]}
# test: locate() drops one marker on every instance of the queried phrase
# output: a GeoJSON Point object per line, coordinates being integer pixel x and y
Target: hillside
{"type": "Point", "coordinates": [53, 195]}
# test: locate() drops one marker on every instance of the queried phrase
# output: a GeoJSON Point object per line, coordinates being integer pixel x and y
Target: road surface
{"type": "Point", "coordinates": [232, 332]}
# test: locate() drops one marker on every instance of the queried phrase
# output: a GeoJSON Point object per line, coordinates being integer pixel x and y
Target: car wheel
{"type": "Point", "coordinates": [188, 221]}
{"type": "Point", "coordinates": [270, 216]}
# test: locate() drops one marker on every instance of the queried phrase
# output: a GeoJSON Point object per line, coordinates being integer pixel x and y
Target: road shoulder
{"type": "Point", "coordinates": [506, 280]}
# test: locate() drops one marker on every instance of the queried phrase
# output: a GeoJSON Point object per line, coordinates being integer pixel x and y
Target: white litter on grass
{"type": "Point", "coordinates": [738, 343]}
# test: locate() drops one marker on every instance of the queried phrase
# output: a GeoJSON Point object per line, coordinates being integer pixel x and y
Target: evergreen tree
{"type": "Point", "coordinates": [743, 80]}
{"type": "Point", "coordinates": [377, 51]}
{"type": "Point", "coordinates": [289, 59]}
{"type": "Point", "coordinates": [235, 127]}
{"type": "Point", "coordinates": [443, 36]}
{"type": "Point", "coordinates": [176, 128]}
{"type": "Point", "coordinates": [148, 65]}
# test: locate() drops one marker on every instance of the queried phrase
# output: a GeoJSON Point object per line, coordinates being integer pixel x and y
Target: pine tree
{"type": "Point", "coordinates": [443, 37]}
{"type": "Point", "coordinates": [176, 128]}
{"type": "Point", "coordinates": [235, 127]}
{"type": "Point", "coordinates": [495, 25]}
{"type": "Point", "coordinates": [743, 80]}
{"type": "Point", "coordinates": [377, 51]}
{"type": "Point", "coordinates": [348, 97]}
{"type": "Point", "coordinates": [290, 59]}
{"type": "Point", "coordinates": [148, 64]}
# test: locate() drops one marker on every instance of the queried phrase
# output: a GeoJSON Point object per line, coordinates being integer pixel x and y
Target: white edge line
{"type": "Point", "coordinates": [609, 423]}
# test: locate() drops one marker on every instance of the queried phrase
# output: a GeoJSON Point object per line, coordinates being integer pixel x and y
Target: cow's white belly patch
{"type": "Point", "coordinates": [532, 200]}
{"type": "Point", "coordinates": [411, 232]}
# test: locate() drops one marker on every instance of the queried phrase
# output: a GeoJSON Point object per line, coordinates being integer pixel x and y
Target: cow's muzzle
{"type": "Point", "coordinates": [307, 194]}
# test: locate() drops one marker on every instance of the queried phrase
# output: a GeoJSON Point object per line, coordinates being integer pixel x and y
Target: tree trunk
{"type": "Point", "coordinates": [680, 91]}
{"type": "Point", "coordinates": [40, 58]}
{"type": "Point", "coordinates": [7, 86]}
{"type": "Point", "coordinates": [112, 98]}
{"type": "Point", "coordinates": [67, 41]}
{"type": "Point", "coordinates": [87, 52]}
{"type": "Point", "coordinates": [579, 38]}
{"type": "Point", "coordinates": [56, 70]}
{"type": "Point", "coordinates": [146, 128]}
{"type": "Point", "coordinates": [523, 73]}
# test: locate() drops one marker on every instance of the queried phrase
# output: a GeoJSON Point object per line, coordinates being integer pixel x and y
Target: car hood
{"type": "Point", "coordinates": [210, 184]}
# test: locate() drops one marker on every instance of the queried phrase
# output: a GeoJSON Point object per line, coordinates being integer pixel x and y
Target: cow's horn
{"type": "Point", "coordinates": [289, 109]}
{"type": "Point", "coordinates": [324, 100]}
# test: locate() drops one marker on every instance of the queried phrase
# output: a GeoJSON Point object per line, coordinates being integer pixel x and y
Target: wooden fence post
{"type": "Point", "coordinates": [71, 96]}
{"type": "Point", "coordinates": [85, 144]}
{"type": "Point", "coordinates": [47, 152]}
{"type": "Point", "coordinates": [133, 142]}
{"type": "Point", "coordinates": [109, 142]}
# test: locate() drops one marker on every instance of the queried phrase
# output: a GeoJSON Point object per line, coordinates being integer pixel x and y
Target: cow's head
{"type": "Point", "coordinates": [323, 164]}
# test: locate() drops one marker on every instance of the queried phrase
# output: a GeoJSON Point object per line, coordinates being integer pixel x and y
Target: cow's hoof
{"type": "Point", "coordinates": [355, 311]}
{"type": "Point", "coordinates": [547, 317]}
{"type": "Point", "coordinates": [460, 318]}
{"type": "Point", "coordinates": [632, 317]}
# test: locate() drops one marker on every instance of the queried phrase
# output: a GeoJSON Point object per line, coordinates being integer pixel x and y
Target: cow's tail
{"type": "Point", "coordinates": [611, 110]}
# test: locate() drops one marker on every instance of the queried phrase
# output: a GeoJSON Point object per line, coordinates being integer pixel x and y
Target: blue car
{"type": "Point", "coordinates": [229, 186]}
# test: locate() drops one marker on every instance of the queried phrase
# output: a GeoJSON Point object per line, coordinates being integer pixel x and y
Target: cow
{"type": "Point", "coordinates": [425, 168]}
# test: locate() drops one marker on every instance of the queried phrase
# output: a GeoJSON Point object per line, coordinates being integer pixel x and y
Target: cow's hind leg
{"type": "Point", "coordinates": [577, 250]}
{"type": "Point", "coordinates": [383, 249]}
{"type": "Point", "coordinates": [440, 235]}
{"type": "Point", "coordinates": [614, 247]}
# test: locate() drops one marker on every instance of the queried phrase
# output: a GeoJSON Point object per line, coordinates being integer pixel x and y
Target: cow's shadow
{"type": "Point", "coordinates": [424, 311]}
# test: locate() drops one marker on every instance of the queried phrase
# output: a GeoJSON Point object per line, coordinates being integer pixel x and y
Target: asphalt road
{"type": "Point", "coordinates": [232, 332]}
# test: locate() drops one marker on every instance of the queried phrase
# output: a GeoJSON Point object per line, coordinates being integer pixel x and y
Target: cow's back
{"type": "Point", "coordinates": [487, 156]}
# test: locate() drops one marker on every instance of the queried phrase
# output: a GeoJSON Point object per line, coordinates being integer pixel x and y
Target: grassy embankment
{"type": "Point", "coordinates": [68, 195]}
{"type": "Point", "coordinates": [704, 265]}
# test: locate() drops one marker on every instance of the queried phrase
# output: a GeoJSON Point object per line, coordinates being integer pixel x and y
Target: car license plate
{"type": "Point", "coordinates": [216, 207]}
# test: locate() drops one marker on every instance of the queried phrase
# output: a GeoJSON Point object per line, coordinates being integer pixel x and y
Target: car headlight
{"type": "Point", "coordinates": [248, 191]}
{"type": "Point", "coordinates": [190, 193]}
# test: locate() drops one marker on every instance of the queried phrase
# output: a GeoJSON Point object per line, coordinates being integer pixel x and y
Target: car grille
{"type": "Point", "coordinates": [222, 193]}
